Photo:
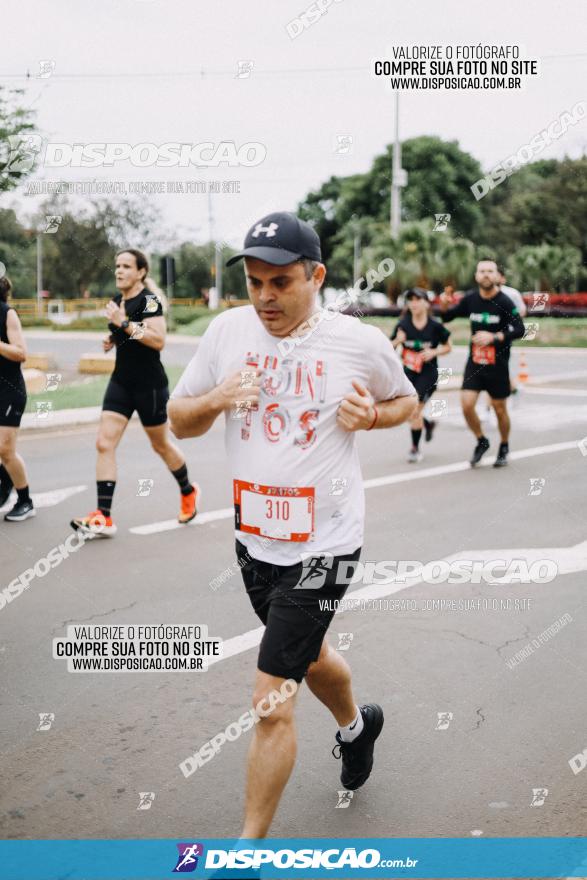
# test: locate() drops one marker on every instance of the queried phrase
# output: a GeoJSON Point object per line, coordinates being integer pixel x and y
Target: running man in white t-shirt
{"type": "Point", "coordinates": [295, 383]}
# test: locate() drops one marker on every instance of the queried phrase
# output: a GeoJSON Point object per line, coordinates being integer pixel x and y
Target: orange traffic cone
{"type": "Point", "coordinates": [523, 374]}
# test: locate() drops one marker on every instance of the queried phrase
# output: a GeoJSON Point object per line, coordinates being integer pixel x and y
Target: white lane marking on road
{"type": "Point", "coordinates": [554, 377]}
{"type": "Point", "coordinates": [557, 392]}
{"type": "Point", "coordinates": [169, 524]}
{"type": "Point", "coordinates": [404, 477]}
{"type": "Point", "coordinates": [464, 465]}
{"type": "Point", "coordinates": [55, 496]}
{"type": "Point", "coordinates": [567, 559]}
{"type": "Point", "coordinates": [531, 414]}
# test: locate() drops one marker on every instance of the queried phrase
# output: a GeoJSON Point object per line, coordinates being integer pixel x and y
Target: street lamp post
{"type": "Point", "coordinates": [399, 177]}
{"type": "Point", "coordinates": [39, 274]}
{"type": "Point", "coordinates": [219, 270]}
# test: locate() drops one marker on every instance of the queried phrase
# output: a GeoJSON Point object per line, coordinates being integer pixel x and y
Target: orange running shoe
{"type": "Point", "coordinates": [95, 524]}
{"type": "Point", "coordinates": [189, 505]}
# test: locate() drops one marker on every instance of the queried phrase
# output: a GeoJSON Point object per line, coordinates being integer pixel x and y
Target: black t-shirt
{"type": "Point", "coordinates": [494, 315]}
{"type": "Point", "coordinates": [11, 378]}
{"type": "Point", "coordinates": [137, 367]}
{"type": "Point", "coordinates": [432, 334]}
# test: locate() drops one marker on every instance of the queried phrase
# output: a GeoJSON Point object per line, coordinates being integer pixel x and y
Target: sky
{"type": "Point", "coordinates": [159, 71]}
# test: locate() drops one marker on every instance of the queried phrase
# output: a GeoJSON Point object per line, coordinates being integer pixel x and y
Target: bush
{"type": "Point", "coordinates": [83, 324]}
{"type": "Point", "coordinates": [186, 314]}
{"type": "Point", "coordinates": [33, 321]}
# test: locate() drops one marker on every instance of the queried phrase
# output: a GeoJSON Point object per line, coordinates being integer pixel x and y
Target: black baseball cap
{"type": "Point", "coordinates": [416, 291]}
{"type": "Point", "coordinates": [279, 239]}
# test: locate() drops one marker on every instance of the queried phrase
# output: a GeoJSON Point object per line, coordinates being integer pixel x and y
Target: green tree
{"type": "Point", "coordinates": [422, 256]}
{"type": "Point", "coordinates": [193, 264]}
{"type": "Point", "coordinates": [79, 255]}
{"type": "Point", "coordinates": [17, 252]}
{"type": "Point", "coordinates": [546, 267]}
{"type": "Point", "coordinates": [129, 222]}
{"type": "Point", "coordinates": [17, 147]}
{"type": "Point", "coordinates": [440, 175]}
{"type": "Point", "coordinates": [542, 203]}
{"type": "Point", "coordinates": [192, 270]}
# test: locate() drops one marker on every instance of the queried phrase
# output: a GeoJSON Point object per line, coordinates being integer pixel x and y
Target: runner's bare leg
{"type": "Point", "coordinates": [468, 402]}
{"type": "Point", "coordinates": [271, 758]}
{"type": "Point", "coordinates": [329, 679]}
{"type": "Point", "coordinates": [503, 419]}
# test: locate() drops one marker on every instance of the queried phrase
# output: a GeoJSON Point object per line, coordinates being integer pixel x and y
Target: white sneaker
{"type": "Point", "coordinates": [414, 456]}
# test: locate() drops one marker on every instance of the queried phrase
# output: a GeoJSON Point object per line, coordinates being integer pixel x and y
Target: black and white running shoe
{"type": "Point", "coordinates": [21, 510]}
{"type": "Point", "coordinates": [357, 756]}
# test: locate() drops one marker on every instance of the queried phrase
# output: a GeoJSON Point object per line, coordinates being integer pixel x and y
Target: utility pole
{"type": "Point", "coordinates": [39, 274]}
{"type": "Point", "coordinates": [219, 270]}
{"type": "Point", "coordinates": [210, 217]}
{"type": "Point", "coordinates": [215, 261]}
{"type": "Point", "coordinates": [356, 254]}
{"type": "Point", "coordinates": [399, 178]}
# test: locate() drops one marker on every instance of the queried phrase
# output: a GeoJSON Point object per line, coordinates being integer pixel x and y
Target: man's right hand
{"type": "Point", "coordinates": [244, 385]}
{"type": "Point", "coordinates": [107, 343]}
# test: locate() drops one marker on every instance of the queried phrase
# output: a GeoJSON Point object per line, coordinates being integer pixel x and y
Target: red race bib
{"type": "Point", "coordinates": [412, 360]}
{"type": "Point", "coordinates": [278, 512]}
{"type": "Point", "coordinates": [483, 354]}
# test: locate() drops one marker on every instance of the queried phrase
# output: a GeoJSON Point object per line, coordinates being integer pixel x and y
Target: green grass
{"type": "Point", "coordinates": [191, 320]}
{"type": "Point", "coordinates": [85, 392]}
{"type": "Point", "coordinates": [566, 332]}
{"type": "Point", "coordinates": [89, 391]}
{"type": "Point", "coordinates": [199, 326]}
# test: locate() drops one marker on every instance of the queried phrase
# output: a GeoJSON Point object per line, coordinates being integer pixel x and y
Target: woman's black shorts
{"type": "Point", "coordinates": [150, 403]}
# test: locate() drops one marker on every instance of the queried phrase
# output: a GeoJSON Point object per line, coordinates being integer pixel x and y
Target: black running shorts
{"type": "Point", "coordinates": [295, 624]}
{"type": "Point", "coordinates": [150, 403]}
{"type": "Point", "coordinates": [12, 406]}
{"type": "Point", "coordinates": [493, 378]}
{"type": "Point", "coordinates": [425, 385]}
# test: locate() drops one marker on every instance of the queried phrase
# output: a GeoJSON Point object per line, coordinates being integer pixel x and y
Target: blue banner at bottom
{"type": "Point", "coordinates": [293, 858]}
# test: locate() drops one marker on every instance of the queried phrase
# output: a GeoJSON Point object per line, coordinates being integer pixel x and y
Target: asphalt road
{"type": "Point", "coordinates": [68, 346]}
{"type": "Point", "coordinates": [114, 735]}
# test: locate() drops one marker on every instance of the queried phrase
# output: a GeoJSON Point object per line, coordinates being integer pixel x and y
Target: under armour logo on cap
{"type": "Point", "coordinates": [268, 231]}
{"type": "Point", "coordinates": [280, 238]}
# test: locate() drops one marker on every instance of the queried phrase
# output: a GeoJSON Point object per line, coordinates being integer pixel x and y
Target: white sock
{"type": "Point", "coordinates": [352, 730]}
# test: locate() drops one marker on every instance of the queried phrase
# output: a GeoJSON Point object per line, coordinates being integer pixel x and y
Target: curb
{"type": "Point", "coordinates": [61, 418]}
{"type": "Point", "coordinates": [87, 415]}
{"type": "Point", "coordinates": [183, 338]}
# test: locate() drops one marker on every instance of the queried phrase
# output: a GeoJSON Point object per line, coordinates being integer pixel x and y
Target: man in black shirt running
{"type": "Point", "coordinates": [495, 323]}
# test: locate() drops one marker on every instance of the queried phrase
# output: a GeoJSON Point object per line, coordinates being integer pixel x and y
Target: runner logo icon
{"type": "Point", "coordinates": [187, 859]}
{"type": "Point", "coordinates": [146, 798]}
{"type": "Point", "coordinates": [344, 800]}
{"type": "Point", "coordinates": [46, 719]}
{"type": "Point", "coordinates": [314, 571]}
{"type": "Point", "coordinates": [344, 641]}
{"type": "Point", "coordinates": [539, 795]}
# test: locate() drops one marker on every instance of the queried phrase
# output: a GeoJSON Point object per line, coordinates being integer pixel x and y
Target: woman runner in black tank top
{"type": "Point", "coordinates": [12, 404]}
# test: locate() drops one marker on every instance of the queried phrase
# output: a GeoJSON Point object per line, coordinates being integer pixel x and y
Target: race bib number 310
{"type": "Point", "coordinates": [283, 513]}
